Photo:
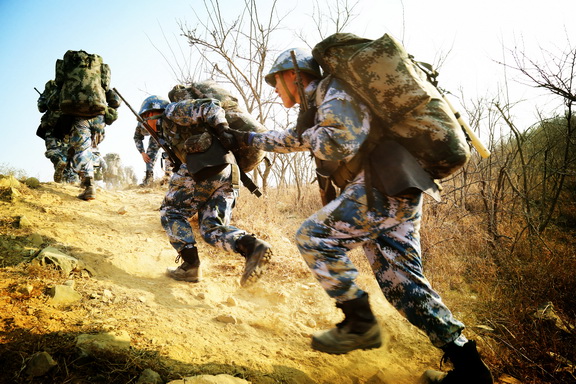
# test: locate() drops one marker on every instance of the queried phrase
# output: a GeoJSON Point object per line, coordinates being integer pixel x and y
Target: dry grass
{"type": "Point", "coordinates": [494, 285]}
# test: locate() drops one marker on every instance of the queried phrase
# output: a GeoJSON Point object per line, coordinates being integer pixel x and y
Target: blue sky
{"type": "Point", "coordinates": [130, 34]}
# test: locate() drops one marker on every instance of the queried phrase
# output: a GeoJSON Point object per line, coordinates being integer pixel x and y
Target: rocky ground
{"type": "Point", "coordinates": [260, 334]}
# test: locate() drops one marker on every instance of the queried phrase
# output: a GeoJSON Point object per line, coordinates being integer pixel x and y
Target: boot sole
{"type": "Point", "coordinates": [186, 279]}
{"type": "Point", "coordinates": [316, 345]}
{"type": "Point", "coordinates": [263, 257]}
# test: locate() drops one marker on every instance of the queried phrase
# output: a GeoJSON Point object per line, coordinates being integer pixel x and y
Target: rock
{"type": "Point", "coordinates": [311, 323]}
{"type": "Point", "coordinates": [107, 295]}
{"type": "Point", "coordinates": [148, 376]}
{"type": "Point", "coordinates": [122, 211]}
{"type": "Point", "coordinates": [23, 222]}
{"type": "Point", "coordinates": [9, 181]}
{"type": "Point", "coordinates": [25, 289]}
{"type": "Point", "coordinates": [39, 364]}
{"type": "Point", "coordinates": [228, 319]}
{"type": "Point", "coordinates": [62, 261]}
{"type": "Point", "coordinates": [231, 302]}
{"type": "Point", "coordinates": [547, 314]}
{"type": "Point", "coordinates": [63, 295]}
{"type": "Point", "coordinates": [210, 379]}
{"type": "Point", "coordinates": [8, 194]}
{"type": "Point", "coordinates": [36, 239]}
{"type": "Point", "coordinates": [111, 341]}
{"type": "Point", "coordinates": [381, 377]}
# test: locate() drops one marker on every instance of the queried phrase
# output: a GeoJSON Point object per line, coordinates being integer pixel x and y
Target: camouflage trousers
{"type": "Point", "coordinates": [56, 150]}
{"type": "Point", "coordinates": [152, 152]}
{"type": "Point", "coordinates": [212, 199]}
{"type": "Point", "coordinates": [80, 139]}
{"type": "Point", "coordinates": [389, 234]}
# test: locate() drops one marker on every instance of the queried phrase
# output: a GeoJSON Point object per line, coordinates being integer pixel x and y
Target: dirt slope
{"type": "Point", "coordinates": [260, 333]}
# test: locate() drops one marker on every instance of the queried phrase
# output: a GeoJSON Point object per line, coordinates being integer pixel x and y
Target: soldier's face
{"type": "Point", "coordinates": [286, 88]}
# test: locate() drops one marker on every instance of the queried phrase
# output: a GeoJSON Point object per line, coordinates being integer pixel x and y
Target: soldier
{"type": "Point", "coordinates": [113, 174]}
{"type": "Point", "coordinates": [150, 154]}
{"type": "Point", "coordinates": [333, 129]}
{"type": "Point", "coordinates": [88, 105]}
{"type": "Point", "coordinates": [204, 184]}
{"type": "Point", "coordinates": [56, 148]}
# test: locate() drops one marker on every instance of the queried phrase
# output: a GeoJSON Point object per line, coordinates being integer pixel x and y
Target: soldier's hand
{"type": "Point", "coordinates": [145, 157]}
{"type": "Point", "coordinates": [306, 119]}
{"type": "Point", "coordinates": [227, 139]}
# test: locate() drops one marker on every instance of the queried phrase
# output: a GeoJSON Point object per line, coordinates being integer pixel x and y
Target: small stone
{"type": "Point", "coordinates": [148, 376]}
{"type": "Point", "coordinates": [228, 319]}
{"type": "Point", "coordinates": [62, 295]}
{"type": "Point", "coordinates": [36, 239]}
{"type": "Point", "coordinates": [39, 364]}
{"type": "Point", "coordinates": [24, 222]}
{"type": "Point", "coordinates": [25, 289]}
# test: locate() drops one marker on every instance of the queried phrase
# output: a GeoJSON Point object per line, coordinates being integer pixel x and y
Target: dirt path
{"type": "Point", "coordinates": [263, 330]}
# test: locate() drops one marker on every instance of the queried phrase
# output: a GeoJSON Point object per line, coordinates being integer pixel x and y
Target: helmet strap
{"type": "Point", "coordinates": [290, 95]}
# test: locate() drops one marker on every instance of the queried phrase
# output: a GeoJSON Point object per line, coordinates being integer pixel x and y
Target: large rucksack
{"type": "Point", "coordinates": [247, 158]}
{"type": "Point", "coordinates": [410, 109]}
{"type": "Point", "coordinates": [84, 81]}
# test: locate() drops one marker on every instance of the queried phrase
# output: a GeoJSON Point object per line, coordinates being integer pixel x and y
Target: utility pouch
{"type": "Point", "coordinates": [198, 143]}
{"type": "Point", "coordinates": [394, 171]}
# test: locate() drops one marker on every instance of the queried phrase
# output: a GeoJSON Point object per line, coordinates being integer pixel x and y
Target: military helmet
{"type": "Point", "coordinates": [304, 59]}
{"type": "Point", "coordinates": [153, 103]}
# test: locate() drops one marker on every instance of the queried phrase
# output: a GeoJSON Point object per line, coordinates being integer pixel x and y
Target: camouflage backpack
{"type": "Point", "coordinates": [410, 109]}
{"type": "Point", "coordinates": [248, 158]}
{"type": "Point", "coordinates": [84, 82]}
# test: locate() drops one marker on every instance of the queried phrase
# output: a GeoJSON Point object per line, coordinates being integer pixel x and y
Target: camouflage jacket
{"type": "Point", "coordinates": [342, 125]}
{"type": "Point", "coordinates": [139, 134]}
{"type": "Point", "coordinates": [189, 119]}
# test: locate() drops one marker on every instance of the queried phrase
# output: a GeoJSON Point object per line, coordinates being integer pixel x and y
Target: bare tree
{"type": "Point", "coordinates": [540, 182]}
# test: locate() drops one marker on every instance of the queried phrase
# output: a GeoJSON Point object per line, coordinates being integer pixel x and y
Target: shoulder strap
{"type": "Point", "coordinates": [322, 89]}
{"type": "Point", "coordinates": [347, 171]}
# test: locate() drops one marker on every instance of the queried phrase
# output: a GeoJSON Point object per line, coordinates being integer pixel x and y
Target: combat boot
{"type": "Point", "coordinates": [468, 367]}
{"type": "Point", "coordinates": [358, 330]}
{"type": "Point", "coordinates": [189, 270]}
{"type": "Point", "coordinates": [257, 253]}
{"type": "Point", "coordinates": [59, 171]}
{"type": "Point", "coordinates": [148, 178]}
{"type": "Point", "coordinates": [89, 189]}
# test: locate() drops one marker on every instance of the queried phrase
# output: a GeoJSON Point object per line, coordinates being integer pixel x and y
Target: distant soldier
{"type": "Point", "coordinates": [87, 105]}
{"type": "Point", "coordinates": [114, 173]}
{"type": "Point", "coordinates": [150, 154]}
{"type": "Point", "coordinates": [56, 148]}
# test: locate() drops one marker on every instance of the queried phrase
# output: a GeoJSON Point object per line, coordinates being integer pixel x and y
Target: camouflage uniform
{"type": "Point", "coordinates": [56, 148]}
{"type": "Point", "coordinates": [80, 139]}
{"type": "Point", "coordinates": [207, 184]}
{"type": "Point", "coordinates": [153, 147]}
{"type": "Point", "coordinates": [389, 232]}
{"type": "Point", "coordinates": [212, 198]}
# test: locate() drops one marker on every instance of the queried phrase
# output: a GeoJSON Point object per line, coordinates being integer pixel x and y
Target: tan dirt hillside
{"type": "Point", "coordinates": [260, 333]}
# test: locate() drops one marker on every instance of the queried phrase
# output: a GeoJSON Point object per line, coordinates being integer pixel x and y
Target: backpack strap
{"type": "Point", "coordinates": [347, 171]}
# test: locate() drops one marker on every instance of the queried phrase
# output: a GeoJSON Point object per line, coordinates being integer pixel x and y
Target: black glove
{"type": "Point", "coordinates": [241, 137]}
{"type": "Point", "coordinates": [227, 139]}
{"type": "Point", "coordinates": [305, 120]}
